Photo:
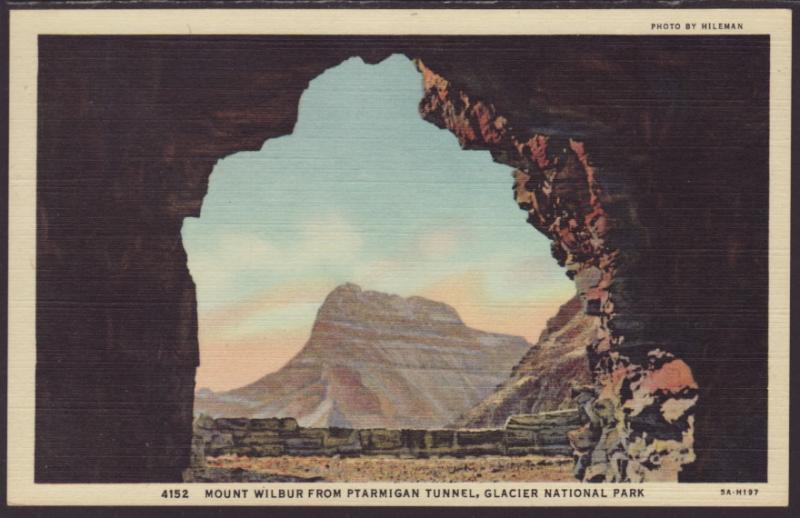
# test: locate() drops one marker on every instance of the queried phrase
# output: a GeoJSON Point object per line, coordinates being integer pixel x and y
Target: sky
{"type": "Point", "coordinates": [362, 191]}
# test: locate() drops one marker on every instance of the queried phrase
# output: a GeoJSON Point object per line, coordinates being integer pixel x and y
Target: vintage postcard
{"type": "Point", "coordinates": [406, 257]}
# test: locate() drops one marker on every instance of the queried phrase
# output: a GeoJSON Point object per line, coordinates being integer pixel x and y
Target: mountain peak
{"type": "Point", "coordinates": [375, 360]}
{"type": "Point", "coordinates": [350, 302]}
{"type": "Point", "coordinates": [345, 289]}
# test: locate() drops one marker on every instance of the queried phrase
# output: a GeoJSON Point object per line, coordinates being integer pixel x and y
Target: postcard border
{"type": "Point", "coordinates": [25, 27]}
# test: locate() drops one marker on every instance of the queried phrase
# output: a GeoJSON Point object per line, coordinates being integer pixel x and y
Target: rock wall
{"type": "Point", "coordinates": [543, 434]}
{"type": "Point", "coordinates": [558, 184]}
{"type": "Point", "coordinates": [644, 159]}
{"type": "Point", "coordinates": [129, 131]}
{"type": "Point", "coordinates": [591, 196]}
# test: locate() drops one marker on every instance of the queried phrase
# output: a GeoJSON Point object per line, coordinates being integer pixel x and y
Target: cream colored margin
{"type": "Point", "coordinates": [26, 25]}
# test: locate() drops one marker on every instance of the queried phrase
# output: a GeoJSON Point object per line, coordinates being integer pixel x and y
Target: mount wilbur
{"type": "Point", "coordinates": [378, 360]}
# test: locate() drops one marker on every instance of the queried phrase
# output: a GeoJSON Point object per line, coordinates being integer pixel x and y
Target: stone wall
{"type": "Point", "coordinates": [542, 434]}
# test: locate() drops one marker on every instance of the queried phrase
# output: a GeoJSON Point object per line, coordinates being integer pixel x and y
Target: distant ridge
{"type": "Point", "coordinates": [541, 381]}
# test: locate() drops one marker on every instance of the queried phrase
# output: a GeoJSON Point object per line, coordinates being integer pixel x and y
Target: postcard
{"type": "Point", "coordinates": [399, 257]}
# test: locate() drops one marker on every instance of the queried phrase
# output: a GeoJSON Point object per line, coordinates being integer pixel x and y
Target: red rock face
{"type": "Point", "coordinates": [640, 414]}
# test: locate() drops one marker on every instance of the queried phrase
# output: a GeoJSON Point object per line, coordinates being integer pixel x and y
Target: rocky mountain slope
{"type": "Point", "coordinates": [541, 381]}
{"type": "Point", "coordinates": [378, 360]}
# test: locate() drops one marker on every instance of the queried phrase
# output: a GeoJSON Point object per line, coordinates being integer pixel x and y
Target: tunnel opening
{"type": "Point", "coordinates": [637, 410]}
{"type": "Point", "coordinates": [366, 205]}
{"type": "Point", "coordinates": [362, 191]}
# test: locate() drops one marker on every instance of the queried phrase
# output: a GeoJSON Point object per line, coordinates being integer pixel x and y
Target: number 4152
{"type": "Point", "coordinates": [175, 493]}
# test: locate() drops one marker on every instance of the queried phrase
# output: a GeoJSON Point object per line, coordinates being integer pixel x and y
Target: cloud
{"type": "Point", "coordinates": [231, 363]}
{"type": "Point", "coordinates": [469, 293]}
{"type": "Point", "coordinates": [328, 238]}
{"type": "Point", "coordinates": [216, 261]}
{"type": "Point", "coordinates": [439, 243]}
{"type": "Point", "coordinates": [246, 339]}
{"type": "Point", "coordinates": [224, 321]}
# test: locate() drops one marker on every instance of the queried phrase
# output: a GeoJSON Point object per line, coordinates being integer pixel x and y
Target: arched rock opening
{"type": "Point", "coordinates": [640, 411]}
{"type": "Point", "coordinates": [644, 159]}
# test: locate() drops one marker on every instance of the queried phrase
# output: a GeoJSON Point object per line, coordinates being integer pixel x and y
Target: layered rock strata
{"type": "Point", "coordinates": [378, 360]}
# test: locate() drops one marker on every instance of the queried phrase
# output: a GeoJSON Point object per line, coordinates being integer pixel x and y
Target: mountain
{"type": "Point", "coordinates": [378, 360]}
{"type": "Point", "coordinates": [542, 379]}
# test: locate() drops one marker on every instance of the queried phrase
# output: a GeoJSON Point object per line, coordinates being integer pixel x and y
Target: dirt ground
{"type": "Point", "coordinates": [382, 469]}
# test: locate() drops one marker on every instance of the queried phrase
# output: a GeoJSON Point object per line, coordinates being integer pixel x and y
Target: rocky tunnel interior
{"type": "Point", "coordinates": [644, 160]}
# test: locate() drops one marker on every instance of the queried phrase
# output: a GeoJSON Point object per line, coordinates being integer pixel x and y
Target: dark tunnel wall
{"type": "Point", "coordinates": [130, 128]}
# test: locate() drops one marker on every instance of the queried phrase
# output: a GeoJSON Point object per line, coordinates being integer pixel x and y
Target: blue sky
{"type": "Point", "coordinates": [362, 191]}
